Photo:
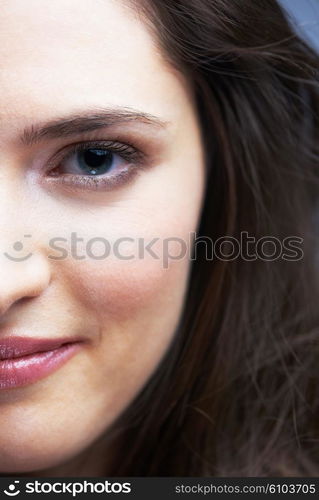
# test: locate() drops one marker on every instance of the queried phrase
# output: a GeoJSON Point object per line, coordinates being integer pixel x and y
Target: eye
{"type": "Point", "coordinates": [92, 161]}
{"type": "Point", "coordinates": [95, 165]}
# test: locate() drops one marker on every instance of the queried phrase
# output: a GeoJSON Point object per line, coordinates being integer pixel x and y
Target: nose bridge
{"type": "Point", "coordinates": [16, 219]}
{"type": "Point", "coordinates": [16, 232]}
{"type": "Point", "coordinates": [13, 209]}
{"type": "Point", "coordinates": [21, 234]}
{"type": "Point", "coordinates": [24, 269]}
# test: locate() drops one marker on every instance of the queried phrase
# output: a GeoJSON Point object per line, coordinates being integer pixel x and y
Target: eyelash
{"type": "Point", "coordinates": [133, 156]}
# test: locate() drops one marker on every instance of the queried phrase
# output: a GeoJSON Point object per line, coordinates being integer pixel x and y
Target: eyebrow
{"type": "Point", "coordinates": [86, 121]}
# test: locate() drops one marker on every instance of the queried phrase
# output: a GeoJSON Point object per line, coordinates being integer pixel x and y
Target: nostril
{"type": "Point", "coordinates": [23, 301]}
{"type": "Point", "coordinates": [9, 304]}
{"type": "Point", "coordinates": [11, 311]}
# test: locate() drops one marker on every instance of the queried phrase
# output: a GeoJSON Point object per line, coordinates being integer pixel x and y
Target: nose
{"type": "Point", "coordinates": [22, 280]}
{"type": "Point", "coordinates": [24, 267]}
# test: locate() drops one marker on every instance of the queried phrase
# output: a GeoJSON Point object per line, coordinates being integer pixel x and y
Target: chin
{"type": "Point", "coordinates": [32, 461]}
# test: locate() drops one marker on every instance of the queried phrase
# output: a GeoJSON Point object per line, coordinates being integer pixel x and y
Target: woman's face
{"type": "Point", "coordinates": [99, 141]}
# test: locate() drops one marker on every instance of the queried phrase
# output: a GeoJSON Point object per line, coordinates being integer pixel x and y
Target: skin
{"type": "Point", "coordinates": [56, 59]}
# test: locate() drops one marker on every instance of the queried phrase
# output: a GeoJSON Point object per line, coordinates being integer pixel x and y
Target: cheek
{"type": "Point", "coordinates": [124, 291]}
{"type": "Point", "coordinates": [133, 310]}
{"type": "Point", "coordinates": [145, 280]}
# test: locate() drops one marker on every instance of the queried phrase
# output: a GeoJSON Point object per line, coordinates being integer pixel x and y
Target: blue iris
{"type": "Point", "coordinates": [95, 161]}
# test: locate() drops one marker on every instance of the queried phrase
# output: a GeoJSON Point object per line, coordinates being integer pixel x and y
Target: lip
{"type": "Point", "coordinates": [26, 360]}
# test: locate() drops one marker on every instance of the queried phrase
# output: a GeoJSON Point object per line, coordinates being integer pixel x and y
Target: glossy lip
{"type": "Point", "coordinates": [25, 360]}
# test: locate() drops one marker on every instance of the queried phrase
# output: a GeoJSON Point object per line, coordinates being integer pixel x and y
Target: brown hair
{"type": "Point", "coordinates": [238, 392]}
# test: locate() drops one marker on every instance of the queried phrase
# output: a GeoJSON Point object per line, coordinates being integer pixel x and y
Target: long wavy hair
{"type": "Point", "coordinates": [237, 393]}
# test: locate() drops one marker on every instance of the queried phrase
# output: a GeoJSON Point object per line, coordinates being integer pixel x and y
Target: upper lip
{"type": "Point", "coordinates": [16, 347]}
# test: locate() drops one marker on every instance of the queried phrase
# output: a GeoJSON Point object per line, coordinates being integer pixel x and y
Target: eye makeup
{"type": "Point", "coordinates": [97, 165]}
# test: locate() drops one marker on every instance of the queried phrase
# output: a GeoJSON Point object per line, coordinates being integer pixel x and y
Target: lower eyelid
{"type": "Point", "coordinates": [87, 182]}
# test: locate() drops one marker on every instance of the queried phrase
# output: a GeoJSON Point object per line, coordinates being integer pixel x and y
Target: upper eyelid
{"type": "Point", "coordinates": [152, 147]}
{"type": "Point", "coordinates": [96, 144]}
{"type": "Point", "coordinates": [82, 145]}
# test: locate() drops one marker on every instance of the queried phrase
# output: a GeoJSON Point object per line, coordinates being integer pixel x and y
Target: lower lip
{"type": "Point", "coordinates": [18, 372]}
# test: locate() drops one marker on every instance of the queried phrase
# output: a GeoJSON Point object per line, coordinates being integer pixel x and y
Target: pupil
{"type": "Point", "coordinates": [95, 161]}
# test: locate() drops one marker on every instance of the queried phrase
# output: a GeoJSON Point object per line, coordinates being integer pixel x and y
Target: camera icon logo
{"type": "Point", "coordinates": [12, 490]}
{"type": "Point", "coordinates": [17, 247]}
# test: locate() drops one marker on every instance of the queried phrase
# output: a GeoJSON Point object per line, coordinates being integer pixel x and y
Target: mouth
{"type": "Point", "coordinates": [24, 361]}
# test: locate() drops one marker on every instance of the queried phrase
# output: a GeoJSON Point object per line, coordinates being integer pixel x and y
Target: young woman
{"type": "Point", "coordinates": [127, 348]}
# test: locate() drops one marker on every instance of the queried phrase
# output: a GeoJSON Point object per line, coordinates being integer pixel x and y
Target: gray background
{"type": "Point", "coordinates": [306, 18]}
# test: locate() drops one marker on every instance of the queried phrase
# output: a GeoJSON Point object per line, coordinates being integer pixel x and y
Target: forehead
{"type": "Point", "coordinates": [80, 53]}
